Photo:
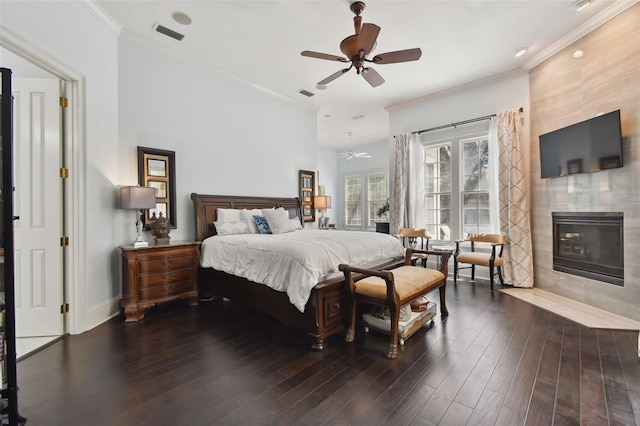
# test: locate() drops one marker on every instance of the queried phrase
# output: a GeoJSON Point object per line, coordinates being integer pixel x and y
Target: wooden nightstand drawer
{"type": "Point", "coordinates": [157, 274]}
{"type": "Point", "coordinates": [168, 277]}
{"type": "Point", "coordinates": [166, 263]}
{"type": "Point", "coordinates": [168, 290]}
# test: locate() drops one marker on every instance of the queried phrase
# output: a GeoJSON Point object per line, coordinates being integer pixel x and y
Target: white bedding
{"type": "Point", "coordinates": [296, 261]}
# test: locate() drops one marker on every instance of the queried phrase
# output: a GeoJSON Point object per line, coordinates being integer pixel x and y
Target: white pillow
{"type": "Point", "coordinates": [231, 227]}
{"type": "Point", "coordinates": [247, 216]}
{"type": "Point", "coordinates": [228, 215]}
{"type": "Point", "coordinates": [278, 220]}
{"type": "Point", "coordinates": [295, 224]}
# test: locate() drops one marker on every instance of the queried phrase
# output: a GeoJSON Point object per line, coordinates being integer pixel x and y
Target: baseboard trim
{"type": "Point", "coordinates": [103, 312]}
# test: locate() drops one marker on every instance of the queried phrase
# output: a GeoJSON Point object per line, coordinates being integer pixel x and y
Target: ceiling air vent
{"type": "Point", "coordinates": [306, 93]}
{"type": "Point", "coordinates": [170, 33]}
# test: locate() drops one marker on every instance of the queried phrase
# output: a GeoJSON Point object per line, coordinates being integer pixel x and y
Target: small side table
{"type": "Point", "coordinates": [158, 273]}
{"type": "Point", "coordinates": [444, 248]}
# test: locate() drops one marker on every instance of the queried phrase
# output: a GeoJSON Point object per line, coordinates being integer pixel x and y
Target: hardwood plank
{"type": "Point", "coordinates": [592, 399]}
{"type": "Point", "coordinates": [407, 409]}
{"type": "Point", "coordinates": [456, 415]}
{"type": "Point", "coordinates": [487, 409]}
{"type": "Point", "coordinates": [627, 347]}
{"type": "Point", "coordinates": [619, 407]}
{"type": "Point", "coordinates": [567, 403]}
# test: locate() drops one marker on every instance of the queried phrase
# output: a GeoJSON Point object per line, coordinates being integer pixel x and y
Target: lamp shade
{"type": "Point", "coordinates": [322, 202]}
{"type": "Point", "coordinates": [137, 197]}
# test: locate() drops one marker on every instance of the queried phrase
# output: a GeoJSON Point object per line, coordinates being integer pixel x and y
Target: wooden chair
{"type": "Point", "coordinates": [492, 260]}
{"type": "Point", "coordinates": [410, 238]}
{"type": "Point", "coordinates": [394, 289]}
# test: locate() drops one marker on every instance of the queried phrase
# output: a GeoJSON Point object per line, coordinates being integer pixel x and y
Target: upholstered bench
{"type": "Point", "coordinates": [394, 289]}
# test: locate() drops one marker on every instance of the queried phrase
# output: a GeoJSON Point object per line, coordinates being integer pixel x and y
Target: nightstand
{"type": "Point", "coordinates": [158, 273]}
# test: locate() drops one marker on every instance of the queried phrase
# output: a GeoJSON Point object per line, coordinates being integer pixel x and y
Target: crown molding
{"type": "Point", "coordinates": [96, 10]}
{"type": "Point", "coordinates": [612, 11]}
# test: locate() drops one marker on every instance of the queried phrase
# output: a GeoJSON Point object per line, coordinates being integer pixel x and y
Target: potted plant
{"type": "Point", "coordinates": [383, 226]}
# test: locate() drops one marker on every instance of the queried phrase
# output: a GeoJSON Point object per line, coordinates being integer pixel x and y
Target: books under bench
{"type": "Point", "coordinates": [406, 327]}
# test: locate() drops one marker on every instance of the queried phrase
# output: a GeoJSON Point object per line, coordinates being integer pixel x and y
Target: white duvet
{"type": "Point", "coordinates": [296, 261]}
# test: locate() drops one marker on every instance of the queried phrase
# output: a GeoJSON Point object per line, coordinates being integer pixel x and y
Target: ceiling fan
{"type": "Point", "coordinates": [350, 154]}
{"type": "Point", "coordinates": [357, 48]}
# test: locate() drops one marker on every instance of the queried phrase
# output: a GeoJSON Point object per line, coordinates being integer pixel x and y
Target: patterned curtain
{"type": "Point", "coordinates": [399, 184]}
{"type": "Point", "coordinates": [514, 206]}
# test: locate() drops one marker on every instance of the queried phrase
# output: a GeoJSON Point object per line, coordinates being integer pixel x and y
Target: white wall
{"type": "Point", "coordinates": [228, 138]}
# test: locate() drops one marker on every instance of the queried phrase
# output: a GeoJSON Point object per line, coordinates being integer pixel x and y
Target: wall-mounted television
{"type": "Point", "coordinates": [588, 146]}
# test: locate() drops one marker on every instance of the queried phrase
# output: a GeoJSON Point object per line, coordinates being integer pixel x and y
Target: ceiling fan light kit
{"type": "Point", "coordinates": [358, 46]}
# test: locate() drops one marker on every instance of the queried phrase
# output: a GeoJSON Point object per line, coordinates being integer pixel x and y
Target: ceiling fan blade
{"type": "Point", "coordinates": [326, 56]}
{"type": "Point", "coordinates": [333, 76]}
{"type": "Point", "coordinates": [372, 77]}
{"type": "Point", "coordinates": [367, 38]}
{"type": "Point", "coordinates": [398, 56]}
{"type": "Point", "coordinates": [361, 155]}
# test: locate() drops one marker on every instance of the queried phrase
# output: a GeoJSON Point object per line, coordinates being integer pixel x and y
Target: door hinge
{"type": "Point", "coordinates": [64, 308]}
{"type": "Point", "coordinates": [64, 172]}
{"type": "Point", "coordinates": [64, 102]}
{"type": "Point", "coordinates": [64, 241]}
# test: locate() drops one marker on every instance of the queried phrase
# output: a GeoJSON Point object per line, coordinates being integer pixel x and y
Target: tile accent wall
{"type": "Point", "coordinates": [565, 90]}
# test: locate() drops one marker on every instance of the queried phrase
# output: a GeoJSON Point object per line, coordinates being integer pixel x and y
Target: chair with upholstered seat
{"type": "Point", "coordinates": [491, 259]}
{"type": "Point", "coordinates": [418, 239]}
{"type": "Point", "coordinates": [394, 289]}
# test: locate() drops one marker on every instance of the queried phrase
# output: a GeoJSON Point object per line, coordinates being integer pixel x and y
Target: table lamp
{"type": "Point", "coordinates": [138, 198]}
{"type": "Point", "coordinates": [322, 203]}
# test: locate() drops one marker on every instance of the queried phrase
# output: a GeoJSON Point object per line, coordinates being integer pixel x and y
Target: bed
{"type": "Point", "coordinates": [323, 314]}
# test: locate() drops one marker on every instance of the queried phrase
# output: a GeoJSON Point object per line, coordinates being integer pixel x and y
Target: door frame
{"type": "Point", "coordinates": [74, 203]}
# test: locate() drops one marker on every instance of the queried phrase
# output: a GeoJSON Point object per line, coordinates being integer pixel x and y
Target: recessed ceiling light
{"type": "Point", "coordinates": [327, 116]}
{"type": "Point", "coordinates": [578, 5]}
{"type": "Point", "coordinates": [357, 117]}
{"type": "Point", "coordinates": [181, 18]}
{"type": "Point", "coordinates": [578, 53]}
{"type": "Point", "coordinates": [520, 51]}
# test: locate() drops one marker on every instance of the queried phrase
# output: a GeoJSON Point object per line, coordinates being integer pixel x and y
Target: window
{"type": "Point", "coordinates": [362, 203]}
{"type": "Point", "coordinates": [353, 201]}
{"type": "Point", "coordinates": [456, 191]}
{"type": "Point", "coordinates": [377, 195]}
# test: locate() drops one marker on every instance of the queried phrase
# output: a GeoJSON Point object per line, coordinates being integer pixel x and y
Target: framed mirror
{"type": "Point", "coordinates": [157, 169]}
{"type": "Point", "coordinates": [307, 192]}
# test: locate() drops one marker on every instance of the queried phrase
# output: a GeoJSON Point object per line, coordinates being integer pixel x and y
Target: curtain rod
{"type": "Point", "coordinates": [459, 123]}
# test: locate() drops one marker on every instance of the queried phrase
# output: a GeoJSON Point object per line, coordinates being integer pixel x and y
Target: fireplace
{"type": "Point", "coordinates": [589, 244]}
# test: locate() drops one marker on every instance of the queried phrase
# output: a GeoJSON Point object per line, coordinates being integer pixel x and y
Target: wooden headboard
{"type": "Point", "coordinates": [205, 208]}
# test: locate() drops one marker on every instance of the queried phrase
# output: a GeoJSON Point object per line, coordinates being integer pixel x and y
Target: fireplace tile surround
{"type": "Point", "coordinates": [564, 91]}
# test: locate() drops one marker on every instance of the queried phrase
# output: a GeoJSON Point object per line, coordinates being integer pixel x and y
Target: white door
{"type": "Point", "coordinates": [38, 204]}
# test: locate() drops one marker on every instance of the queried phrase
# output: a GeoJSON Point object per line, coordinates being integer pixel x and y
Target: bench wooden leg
{"type": "Point", "coordinates": [444, 312]}
{"type": "Point", "coordinates": [351, 332]}
{"type": "Point", "coordinates": [394, 312]}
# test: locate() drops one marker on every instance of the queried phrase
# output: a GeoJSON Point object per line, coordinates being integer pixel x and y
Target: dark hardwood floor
{"type": "Point", "coordinates": [494, 360]}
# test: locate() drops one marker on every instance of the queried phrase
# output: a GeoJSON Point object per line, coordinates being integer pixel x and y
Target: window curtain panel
{"type": "Point", "coordinates": [399, 197]}
{"type": "Point", "coordinates": [514, 205]}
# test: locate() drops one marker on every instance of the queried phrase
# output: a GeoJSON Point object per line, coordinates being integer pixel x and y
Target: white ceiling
{"type": "Point", "coordinates": [259, 42]}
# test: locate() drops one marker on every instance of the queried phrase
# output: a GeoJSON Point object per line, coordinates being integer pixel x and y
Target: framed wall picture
{"type": "Point", "coordinates": [157, 169]}
{"type": "Point", "coordinates": [307, 192]}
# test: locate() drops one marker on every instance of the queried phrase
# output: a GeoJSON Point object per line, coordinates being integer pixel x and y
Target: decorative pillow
{"type": "Point", "coordinates": [261, 224]}
{"type": "Point", "coordinates": [231, 228]}
{"type": "Point", "coordinates": [294, 224]}
{"type": "Point", "coordinates": [247, 215]}
{"type": "Point", "coordinates": [228, 215]}
{"type": "Point", "coordinates": [278, 220]}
